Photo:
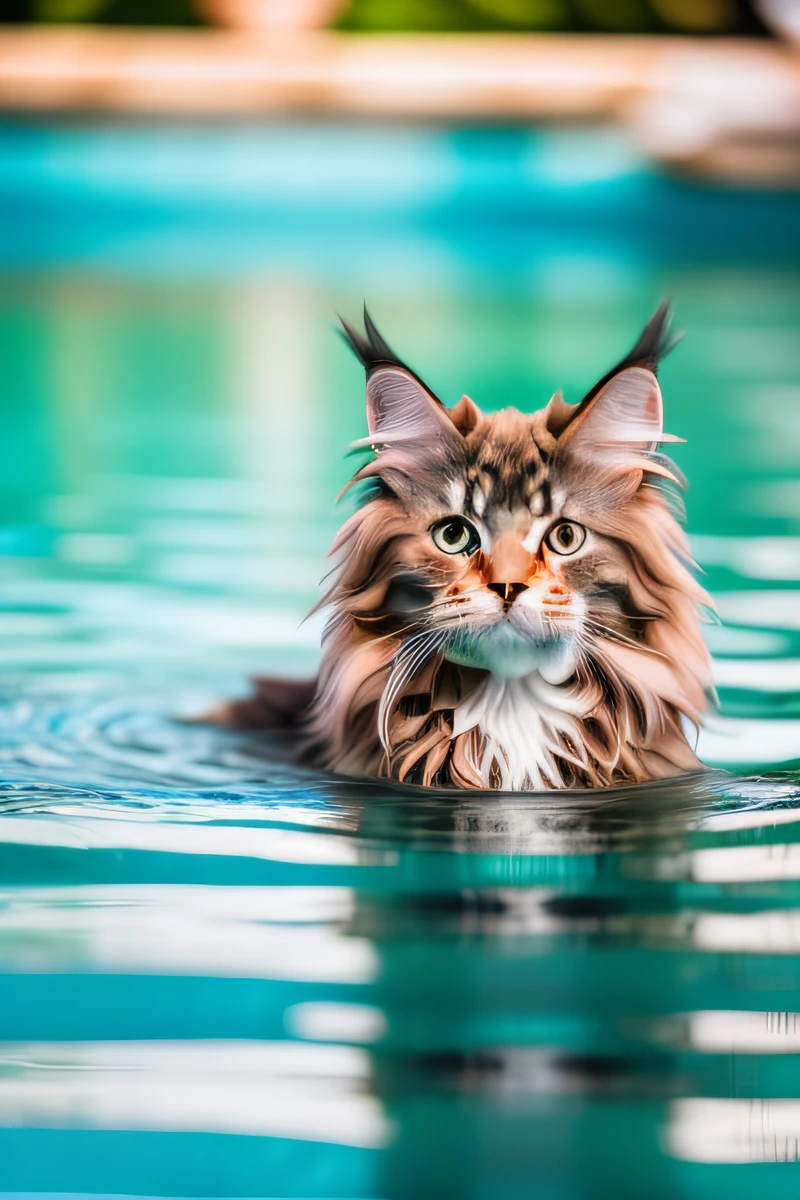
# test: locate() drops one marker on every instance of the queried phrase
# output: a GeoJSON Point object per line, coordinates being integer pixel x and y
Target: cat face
{"type": "Point", "coordinates": [497, 538]}
{"type": "Point", "coordinates": [512, 606]}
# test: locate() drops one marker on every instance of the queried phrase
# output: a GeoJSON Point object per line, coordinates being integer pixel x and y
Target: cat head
{"type": "Point", "coordinates": [514, 543]}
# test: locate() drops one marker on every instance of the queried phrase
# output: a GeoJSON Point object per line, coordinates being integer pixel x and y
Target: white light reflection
{"type": "Point", "coordinates": [775, 932]}
{"type": "Point", "coordinates": [285, 905]}
{"type": "Point", "coordinates": [760, 609]}
{"type": "Point", "coordinates": [328, 1021]}
{"type": "Point", "coordinates": [202, 812]}
{"type": "Point", "coordinates": [756, 818]}
{"type": "Point", "coordinates": [278, 845]}
{"type": "Point", "coordinates": [730, 741]}
{"type": "Point", "coordinates": [761, 675]}
{"type": "Point", "coordinates": [746, 864]}
{"type": "Point", "coordinates": [733, 640]}
{"type": "Point", "coordinates": [744, 1032]}
{"type": "Point", "coordinates": [733, 1131]}
{"type": "Point", "coordinates": [773, 558]}
{"type": "Point", "coordinates": [262, 1089]}
{"type": "Point", "coordinates": [242, 932]}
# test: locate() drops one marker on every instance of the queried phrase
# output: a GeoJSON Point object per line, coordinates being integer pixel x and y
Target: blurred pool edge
{"type": "Point", "coordinates": [76, 190]}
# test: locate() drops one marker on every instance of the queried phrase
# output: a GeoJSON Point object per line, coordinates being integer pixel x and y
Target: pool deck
{"type": "Point", "coordinates": [722, 108]}
{"type": "Point", "coordinates": [208, 72]}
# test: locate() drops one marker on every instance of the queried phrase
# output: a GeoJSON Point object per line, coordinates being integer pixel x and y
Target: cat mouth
{"type": "Point", "coordinates": [511, 652]}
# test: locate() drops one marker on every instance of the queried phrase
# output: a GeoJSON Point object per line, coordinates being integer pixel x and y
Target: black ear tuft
{"type": "Point", "coordinates": [373, 351]}
{"type": "Point", "coordinates": [377, 341]}
{"type": "Point", "coordinates": [655, 342]}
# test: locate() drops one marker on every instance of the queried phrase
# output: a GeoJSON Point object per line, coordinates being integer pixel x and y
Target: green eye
{"type": "Point", "coordinates": [455, 535]}
{"type": "Point", "coordinates": [566, 537]}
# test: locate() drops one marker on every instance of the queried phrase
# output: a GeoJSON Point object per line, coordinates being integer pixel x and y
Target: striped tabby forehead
{"type": "Point", "coordinates": [504, 473]}
{"type": "Point", "coordinates": [490, 465]}
{"type": "Point", "coordinates": [508, 467]}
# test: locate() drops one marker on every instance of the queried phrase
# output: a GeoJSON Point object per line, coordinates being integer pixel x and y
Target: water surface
{"type": "Point", "coordinates": [223, 976]}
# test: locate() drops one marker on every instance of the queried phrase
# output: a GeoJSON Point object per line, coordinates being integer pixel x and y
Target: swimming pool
{"type": "Point", "coordinates": [221, 976]}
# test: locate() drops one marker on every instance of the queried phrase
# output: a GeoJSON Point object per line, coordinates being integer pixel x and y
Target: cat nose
{"type": "Point", "coordinates": [508, 592]}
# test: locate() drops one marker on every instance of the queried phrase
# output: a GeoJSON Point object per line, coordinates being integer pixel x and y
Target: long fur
{"type": "Point", "coordinates": [420, 677]}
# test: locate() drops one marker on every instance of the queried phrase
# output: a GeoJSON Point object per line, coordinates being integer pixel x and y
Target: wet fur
{"type": "Point", "coordinates": [621, 670]}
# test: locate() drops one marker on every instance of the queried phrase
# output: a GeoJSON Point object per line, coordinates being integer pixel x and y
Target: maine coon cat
{"type": "Point", "coordinates": [512, 605]}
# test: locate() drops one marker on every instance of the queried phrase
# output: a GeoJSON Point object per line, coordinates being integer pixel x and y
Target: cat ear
{"type": "Point", "coordinates": [400, 408]}
{"type": "Point", "coordinates": [626, 413]}
{"type": "Point", "coordinates": [465, 415]}
{"type": "Point", "coordinates": [623, 411]}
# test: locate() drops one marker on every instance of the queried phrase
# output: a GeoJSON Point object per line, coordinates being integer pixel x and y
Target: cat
{"type": "Point", "coordinates": [513, 605]}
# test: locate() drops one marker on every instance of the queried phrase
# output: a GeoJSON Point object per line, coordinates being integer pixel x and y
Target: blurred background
{"type": "Point", "coordinates": [622, 16]}
{"type": "Point", "coordinates": [189, 193]}
{"type": "Point", "coordinates": [512, 185]}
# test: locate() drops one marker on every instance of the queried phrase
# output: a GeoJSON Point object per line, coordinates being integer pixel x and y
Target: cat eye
{"type": "Point", "coordinates": [565, 538]}
{"type": "Point", "coordinates": [455, 535]}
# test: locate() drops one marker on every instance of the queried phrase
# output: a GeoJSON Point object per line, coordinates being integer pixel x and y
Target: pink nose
{"type": "Point", "coordinates": [510, 560]}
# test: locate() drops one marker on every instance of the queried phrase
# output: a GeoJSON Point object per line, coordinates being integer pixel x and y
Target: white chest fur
{"type": "Point", "coordinates": [526, 724]}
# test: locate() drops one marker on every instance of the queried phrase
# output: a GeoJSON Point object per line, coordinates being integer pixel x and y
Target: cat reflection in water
{"type": "Point", "coordinates": [512, 605]}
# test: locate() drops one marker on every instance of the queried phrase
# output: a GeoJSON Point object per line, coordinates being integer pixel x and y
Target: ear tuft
{"type": "Point", "coordinates": [624, 407]}
{"type": "Point", "coordinates": [371, 348]}
{"type": "Point", "coordinates": [655, 342]}
{"type": "Point", "coordinates": [399, 406]}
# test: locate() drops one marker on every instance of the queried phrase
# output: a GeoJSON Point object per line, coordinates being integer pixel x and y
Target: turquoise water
{"type": "Point", "coordinates": [221, 976]}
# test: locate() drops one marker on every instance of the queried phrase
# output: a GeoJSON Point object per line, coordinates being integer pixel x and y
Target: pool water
{"type": "Point", "coordinates": [222, 976]}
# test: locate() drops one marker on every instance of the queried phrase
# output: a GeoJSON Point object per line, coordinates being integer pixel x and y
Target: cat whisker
{"type": "Point", "coordinates": [407, 662]}
{"type": "Point", "coordinates": [615, 636]}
